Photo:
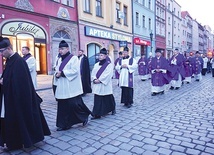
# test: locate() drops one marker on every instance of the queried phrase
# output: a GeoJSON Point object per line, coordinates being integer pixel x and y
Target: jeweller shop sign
{"type": "Point", "coordinates": [18, 27]}
{"type": "Point", "coordinates": [100, 33]}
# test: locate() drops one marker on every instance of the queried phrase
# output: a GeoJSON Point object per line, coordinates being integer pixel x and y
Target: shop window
{"type": "Point", "coordinates": [93, 51]}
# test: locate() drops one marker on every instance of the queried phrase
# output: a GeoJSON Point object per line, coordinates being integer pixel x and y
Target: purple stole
{"type": "Point", "coordinates": [130, 78]}
{"type": "Point", "coordinates": [102, 68]}
{"type": "Point", "coordinates": [27, 57]}
{"type": "Point", "coordinates": [64, 62]}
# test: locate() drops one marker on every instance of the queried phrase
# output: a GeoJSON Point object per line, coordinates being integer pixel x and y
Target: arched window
{"type": "Point", "coordinates": [93, 50]}
{"type": "Point", "coordinates": [62, 35]}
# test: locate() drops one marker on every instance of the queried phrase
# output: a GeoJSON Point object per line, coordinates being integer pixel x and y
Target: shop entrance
{"type": "Point", "coordinates": [22, 34]}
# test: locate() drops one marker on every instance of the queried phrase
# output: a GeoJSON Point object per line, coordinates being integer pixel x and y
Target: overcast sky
{"type": "Point", "coordinates": [201, 10]}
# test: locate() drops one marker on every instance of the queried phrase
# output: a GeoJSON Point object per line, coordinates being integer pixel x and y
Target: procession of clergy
{"type": "Point", "coordinates": [25, 124]}
{"type": "Point", "coordinates": [73, 80]}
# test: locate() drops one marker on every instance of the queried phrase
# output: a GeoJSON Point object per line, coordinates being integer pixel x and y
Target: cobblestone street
{"type": "Point", "coordinates": [177, 123]}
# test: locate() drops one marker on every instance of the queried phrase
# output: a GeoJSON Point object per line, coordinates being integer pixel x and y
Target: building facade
{"type": "Point", "coordinates": [143, 27]}
{"type": "Point", "coordinates": [195, 38]}
{"type": "Point", "coordinates": [26, 23]}
{"type": "Point", "coordinates": [104, 23]}
{"type": "Point", "coordinates": [187, 30]}
{"type": "Point", "coordinates": [173, 27]}
{"type": "Point", "coordinates": [160, 25]}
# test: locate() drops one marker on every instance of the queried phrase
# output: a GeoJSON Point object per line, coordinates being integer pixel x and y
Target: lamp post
{"type": "Point", "coordinates": [151, 37]}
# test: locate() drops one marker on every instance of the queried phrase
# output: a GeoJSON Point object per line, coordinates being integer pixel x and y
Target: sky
{"type": "Point", "coordinates": [201, 10]}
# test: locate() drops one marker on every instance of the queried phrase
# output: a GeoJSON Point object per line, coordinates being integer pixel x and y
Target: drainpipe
{"type": "Point", "coordinates": [132, 30]}
{"type": "Point", "coordinates": [78, 29]}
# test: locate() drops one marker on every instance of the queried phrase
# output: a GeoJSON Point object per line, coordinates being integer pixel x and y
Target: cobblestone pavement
{"type": "Point", "coordinates": [177, 123]}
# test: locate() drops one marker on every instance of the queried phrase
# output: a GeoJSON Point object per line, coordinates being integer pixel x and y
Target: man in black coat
{"type": "Point", "coordinates": [85, 72]}
{"type": "Point", "coordinates": [22, 122]}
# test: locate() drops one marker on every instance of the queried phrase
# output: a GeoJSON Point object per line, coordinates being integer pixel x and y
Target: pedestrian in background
{"type": "Point", "coordinates": [212, 63]}
{"type": "Point", "coordinates": [126, 68]}
{"type": "Point", "coordinates": [84, 72]}
{"type": "Point", "coordinates": [205, 61]}
{"type": "Point", "coordinates": [31, 62]}
{"type": "Point", "coordinates": [102, 86]}
{"type": "Point", "coordinates": [71, 108]}
{"type": "Point", "coordinates": [115, 63]}
{"type": "Point", "coordinates": [22, 122]}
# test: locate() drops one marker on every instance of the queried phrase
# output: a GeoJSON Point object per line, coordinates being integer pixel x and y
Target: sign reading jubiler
{"type": "Point", "coordinates": [100, 33]}
{"type": "Point", "coordinates": [14, 28]}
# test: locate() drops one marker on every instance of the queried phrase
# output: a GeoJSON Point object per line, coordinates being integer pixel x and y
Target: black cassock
{"type": "Point", "coordinates": [103, 104]}
{"type": "Point", "coordinates": [23, 123]}
{"type": "Point", "coordinates": [85, 75]}
{"type": "Point", "coordinates": [71, 111]}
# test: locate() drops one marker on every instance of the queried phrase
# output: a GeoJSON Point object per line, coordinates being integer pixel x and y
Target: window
{"type": "Point", "coordinates": [125, 15]}
{"type": "Point", "coordinates": [137, 18]}
{"type": "Point", "coordinates": [143, 2]}
{"type": "Point", "coordinates": [99, 8]}
{"type": "Point", "coordinates": [117, 10]}
{"type": "Point", "coordinates": [93, 51]}
{"type": "Point", "coordinates": [149, 5]}
{"type": "Point", "coordinates": [144, 24]}
{"type": "Point", "coordinates": [87, 7]}
{"type": "Point", "coordinates": [68, 2]}
{"type": "Point", "coordinates": [150, 24]}
{"type": "Point", "coordinates": [169, 21]}
{"type": "Point", "coordinates": [56, 0]}
{"type": "Point", "coordinates": [168, 6]}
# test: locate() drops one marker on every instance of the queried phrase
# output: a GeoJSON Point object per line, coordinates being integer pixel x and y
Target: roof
{"type": "Point", "coordinates": [184, 14]}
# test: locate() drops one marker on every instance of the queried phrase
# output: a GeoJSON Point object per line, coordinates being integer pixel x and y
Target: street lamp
{"type": "Point", "coordinates": [151, 37]}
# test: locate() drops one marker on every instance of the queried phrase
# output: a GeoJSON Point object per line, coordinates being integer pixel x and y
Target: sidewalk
{"type": "Point", "coordinates": [44, 82]}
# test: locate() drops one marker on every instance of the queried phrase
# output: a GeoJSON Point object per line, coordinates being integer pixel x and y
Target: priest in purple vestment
{"type": "Point", "coordinates": [177, 68]}
{"type": "Point", "coordinates": [159, 69]}
{"type": "Point", "coordinates": [142, 68]}
{"type": "Point", "coordinates": [188, 68]}
{"type": "Point", "coordinates": [197, 66]}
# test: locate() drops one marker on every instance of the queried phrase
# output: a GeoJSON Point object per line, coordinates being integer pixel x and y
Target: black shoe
{"type": "Point", "coordinates": [61, 129]}
{"type": "Point", "coordinates": [143, 80]}
{"type": "Point", "coordinates": [162, 92]}
{"type": "Point", "coordinates": [85, 122]}
{"type": "Point", "coordinates": [176, 88]}
{"type": "Point", "coordinates": [187, 82]}
{"type": "Point", "coordinates": [171, 88]}
{"type": "Point", "coordinates": [197, 80]}
{"type": "Point", "coordinates": [95, 117]}
{"type": "Point", "coordinates": [113, 112]}
{"type": "Point", "coordinates": [128, 105]}
{"type": "Point", "coordinates": [153, 94]}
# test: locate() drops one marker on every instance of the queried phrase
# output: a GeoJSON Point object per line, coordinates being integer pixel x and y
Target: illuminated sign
{"type": "Point", "coordinates": [138, 41]}
{"type": "Point", "coordinates": [14, 28]}
{"type": "Point", "coordinates": [100, 33]}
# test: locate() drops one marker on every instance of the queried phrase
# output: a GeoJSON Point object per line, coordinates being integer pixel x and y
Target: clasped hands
{"type": "Point", "coordinates": [58, 74]}
{"type": "Point", "coordinates": [96, 81]}
{"type": "Point", "coordinates": [124, 66]}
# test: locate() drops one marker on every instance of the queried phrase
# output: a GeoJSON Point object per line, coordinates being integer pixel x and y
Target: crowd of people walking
{"type": "Point", "coordinates": [22, 122]}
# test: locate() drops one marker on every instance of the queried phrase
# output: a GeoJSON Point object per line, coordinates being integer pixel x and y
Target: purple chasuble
{"type": "Point", "coordinates": [197, 65]}
{"type": "Point", "coordinates": [159, 78]}
{"type": "Point", "coordinates": [65, 61]}
{"type": "Point", "coordinates": [130, 78]}
{"type": "Point", "coordinates": [188, 67]}
{"type": "Point", "coordinates": [142, 67]}
{"type": "Point", "coordinates": [102, 68]}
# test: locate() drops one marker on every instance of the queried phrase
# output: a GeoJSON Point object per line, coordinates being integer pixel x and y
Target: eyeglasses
{"type": "Point", "coordinates": [2, 50]}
